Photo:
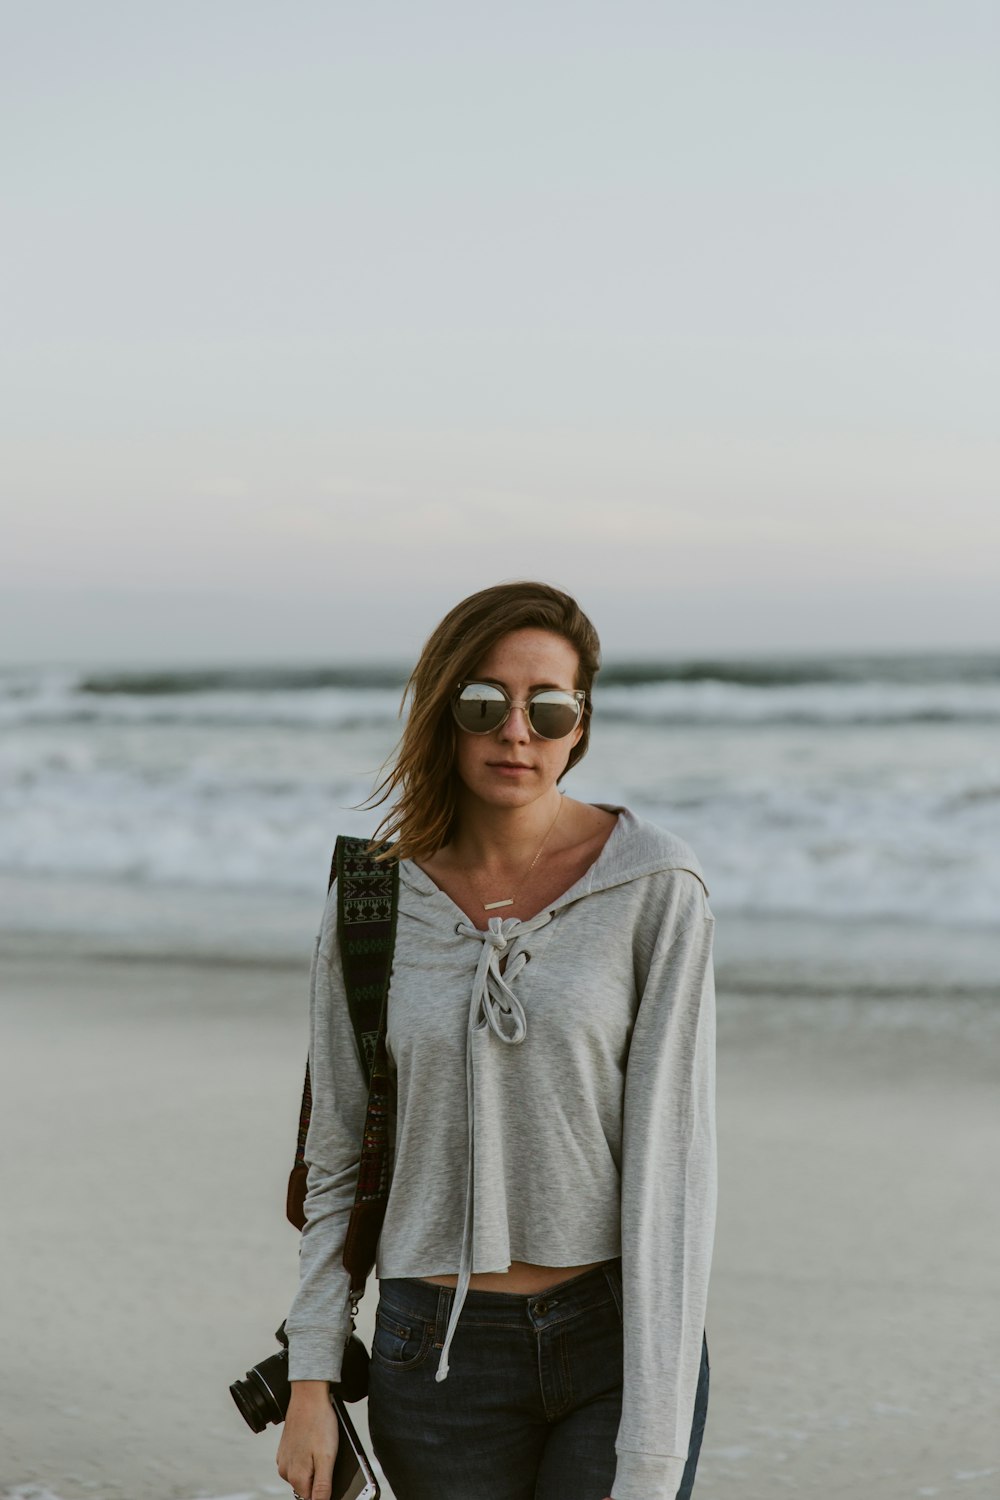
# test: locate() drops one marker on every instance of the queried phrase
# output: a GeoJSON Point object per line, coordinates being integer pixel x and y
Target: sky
{"type": "Point", "coordinates": [318, 317]}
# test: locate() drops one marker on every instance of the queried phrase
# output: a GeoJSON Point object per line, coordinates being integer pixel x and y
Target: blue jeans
{"type": "Point", "coordinates": [533, 1398]}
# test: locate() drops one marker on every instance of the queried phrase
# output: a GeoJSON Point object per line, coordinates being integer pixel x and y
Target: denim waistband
{"type": "Point", "coordinates": [422, 1299]}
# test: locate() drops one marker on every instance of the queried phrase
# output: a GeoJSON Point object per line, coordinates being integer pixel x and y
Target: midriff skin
{"type": "Point", "coordinates": [522, 1278]}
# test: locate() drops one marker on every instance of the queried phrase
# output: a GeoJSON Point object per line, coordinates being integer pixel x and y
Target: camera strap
{"type": "Point", "coordinates": [367, 906]}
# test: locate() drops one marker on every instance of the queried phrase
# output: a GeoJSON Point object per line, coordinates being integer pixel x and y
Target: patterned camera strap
{"type": "Point", "coordinates": [367, 903]}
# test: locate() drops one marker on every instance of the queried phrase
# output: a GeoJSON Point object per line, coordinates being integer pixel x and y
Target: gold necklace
{"type": "Point", "coordinates": [509, 900]}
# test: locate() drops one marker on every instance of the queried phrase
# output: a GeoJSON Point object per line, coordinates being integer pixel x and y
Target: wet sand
{"type": "Point", "coordinates": [149, 1110]}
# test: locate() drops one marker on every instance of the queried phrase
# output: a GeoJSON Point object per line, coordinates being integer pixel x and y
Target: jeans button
{"type": "Point", "coordinates": [540, 1309]}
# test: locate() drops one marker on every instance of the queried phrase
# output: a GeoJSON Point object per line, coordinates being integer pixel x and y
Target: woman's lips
{"type": "Point", "coordinates": [508, 768]}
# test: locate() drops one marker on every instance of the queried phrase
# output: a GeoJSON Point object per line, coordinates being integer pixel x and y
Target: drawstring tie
{"type": "Point", "coordinates": [494, 1004]}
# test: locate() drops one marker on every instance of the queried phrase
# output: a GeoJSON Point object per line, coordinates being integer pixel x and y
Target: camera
{"type": "Point", "coordinates": [263, 1396]}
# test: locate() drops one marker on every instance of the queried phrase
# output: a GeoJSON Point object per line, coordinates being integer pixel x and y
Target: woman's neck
{"type": "Point", "coordinates": [503, 838]}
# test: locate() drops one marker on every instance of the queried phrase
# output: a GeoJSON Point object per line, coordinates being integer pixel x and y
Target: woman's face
{"type": "Point", "coordinates": [513, 766]}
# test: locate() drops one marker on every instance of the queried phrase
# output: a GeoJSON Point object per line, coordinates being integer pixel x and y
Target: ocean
{"type": "Point", "coordinates": [841, 790]}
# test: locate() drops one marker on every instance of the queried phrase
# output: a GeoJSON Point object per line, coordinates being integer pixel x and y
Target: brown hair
{"type": "Point", "coordinates": [422, 776]}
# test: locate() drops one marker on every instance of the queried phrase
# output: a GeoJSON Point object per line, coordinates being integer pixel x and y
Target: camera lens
{"type": "Point", "coordinates": [264, 1395]}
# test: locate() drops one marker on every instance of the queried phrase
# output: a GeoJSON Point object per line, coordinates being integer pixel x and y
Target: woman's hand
{"type": "Point", "coordinates": [309, 1440]}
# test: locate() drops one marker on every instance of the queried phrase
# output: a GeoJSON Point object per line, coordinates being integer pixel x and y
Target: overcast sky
{"type": "Point", "coordinates": [318, 317]}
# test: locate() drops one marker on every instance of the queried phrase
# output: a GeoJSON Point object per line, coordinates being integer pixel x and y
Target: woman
{"type": "Point", "coordinates": [543, 1264]}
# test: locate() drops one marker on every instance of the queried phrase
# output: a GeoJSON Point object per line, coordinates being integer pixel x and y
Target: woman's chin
{"type": "Point", "coordinates": [506, 791]}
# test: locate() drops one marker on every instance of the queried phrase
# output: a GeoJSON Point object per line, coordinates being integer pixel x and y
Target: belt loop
{"type": "Point", "coordinates": [445, 1295]}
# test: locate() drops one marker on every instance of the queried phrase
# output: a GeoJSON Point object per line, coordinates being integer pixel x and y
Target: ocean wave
{"type": "Point", "coordinates": [766, 672]}
{"type": "Point", "coordinates": [795, 796]}
{"type": "Point", "coordinates": [927, 851]}
{"type": "Point", "coordinates": [845, 692]}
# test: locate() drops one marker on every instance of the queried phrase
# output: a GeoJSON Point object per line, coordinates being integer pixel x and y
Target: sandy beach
{"type": "Point", "coordinates": [149, 1107]}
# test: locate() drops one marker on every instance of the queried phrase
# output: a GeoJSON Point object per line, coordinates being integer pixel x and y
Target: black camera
{"type": "Point", "coordinates": [264, 1395]}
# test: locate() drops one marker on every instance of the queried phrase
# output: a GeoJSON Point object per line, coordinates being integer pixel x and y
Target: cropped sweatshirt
{"type": "Point", "coordinates": [559, 1112]}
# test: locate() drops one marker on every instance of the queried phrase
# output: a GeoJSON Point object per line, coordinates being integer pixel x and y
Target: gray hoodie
{"type": "Point", "coordinates": [560, 1113]}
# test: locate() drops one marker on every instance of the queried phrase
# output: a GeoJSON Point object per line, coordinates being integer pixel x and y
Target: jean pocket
{"type": "Point", "coordinates": [399, 1344]}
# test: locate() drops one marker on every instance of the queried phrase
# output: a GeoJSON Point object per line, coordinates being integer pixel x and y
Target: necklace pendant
{"type": "Point", "coordinates": [492, 905]}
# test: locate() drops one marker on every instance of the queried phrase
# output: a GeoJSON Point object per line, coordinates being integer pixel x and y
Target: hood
{"type": "Point", "coordinates": [634, 848]}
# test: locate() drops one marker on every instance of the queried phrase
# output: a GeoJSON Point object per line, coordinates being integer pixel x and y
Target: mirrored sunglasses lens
{"type": "Point", "coordinates": [480, 708]}
{"type": "Point", "coordinates": [554, 715]}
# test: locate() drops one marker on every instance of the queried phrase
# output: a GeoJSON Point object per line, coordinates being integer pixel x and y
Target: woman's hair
{"type": "Point", "coordinates": [422, 778]}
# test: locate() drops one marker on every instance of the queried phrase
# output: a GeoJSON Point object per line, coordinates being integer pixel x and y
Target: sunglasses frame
{"type": "Point", "coordinates": [578, 693]}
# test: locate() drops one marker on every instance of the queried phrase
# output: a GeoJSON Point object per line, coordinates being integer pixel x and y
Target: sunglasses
{"type": "Point", "coordinates": [482, 707]}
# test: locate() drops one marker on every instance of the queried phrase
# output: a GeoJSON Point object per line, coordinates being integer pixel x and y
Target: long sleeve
{"type": "Point", "coordinates": [319, 1320]}
{"type": "Point", "coordinates": [669, 1187]}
